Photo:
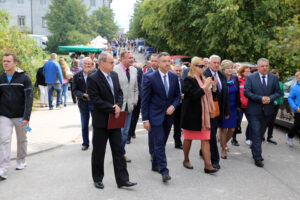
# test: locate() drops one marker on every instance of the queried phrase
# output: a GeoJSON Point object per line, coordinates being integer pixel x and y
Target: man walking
{"type": "Point", "coordinates": [261, 89]}
{"type": "Point", "coordinates": [223, 101]}
{"type": "Point", "coordinates": [16, 98]}
{"type": "Point", "coordinates": [128, 81]}
{"type": "Point", "coordinates": [106, 96]}
{"type": "Point", "coordinates": [160, 97]}
{"type": "Point", "coordinates": [79, 88]}
{"type": "Point", "coordinates": [54, 80]}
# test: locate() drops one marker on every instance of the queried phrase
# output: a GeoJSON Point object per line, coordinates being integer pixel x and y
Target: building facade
{"type": "Point", "coordinates": [31, 13]}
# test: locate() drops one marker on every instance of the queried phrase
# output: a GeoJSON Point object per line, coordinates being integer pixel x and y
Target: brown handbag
{"type": "Point", "coordinates": [217, 110]}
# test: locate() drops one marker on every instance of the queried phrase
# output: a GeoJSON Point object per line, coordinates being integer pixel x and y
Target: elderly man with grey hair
{"type": "Point", "coordinates": [261, 89]}
{"type": "Point", "coordinates": [106, 96]}
{"type": "Point", "coordinates": [79, 89]}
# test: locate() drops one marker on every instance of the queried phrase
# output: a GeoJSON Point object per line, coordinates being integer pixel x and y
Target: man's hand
{"type": "Point", "coordinates": [182, 96]}
{"type": "Point", "coordinates": [147, 125]}
{"type": "Point", "coordinates": [25, 123]}
{"type": "Point", "coordinates": [117, 111]}
{"type": "Point", "coordinates": [266, 100]}
{"type": "Point", "coordinates": [298, 110]}
{"type": "Point", "coordinates": [86, 95]}
{"type": "Point", "coordinates": [227, 116]}
{"type": "Point", "coordinates": [170, 110]}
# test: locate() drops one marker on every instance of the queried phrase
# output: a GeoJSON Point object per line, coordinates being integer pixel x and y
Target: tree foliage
{"type": "Point", "coordinates": [12, 40]}
{"type": "Point", "coordinates": [241, 30]}
{"type": "Point", "coordinates": [102, 22]}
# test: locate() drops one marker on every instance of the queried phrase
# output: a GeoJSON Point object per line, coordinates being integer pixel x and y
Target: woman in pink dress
{"type": "Point", "coordinates": [196, 109]}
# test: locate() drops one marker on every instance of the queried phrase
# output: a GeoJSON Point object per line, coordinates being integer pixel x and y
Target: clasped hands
{"type": "Point", "coordinates": [266, 100]}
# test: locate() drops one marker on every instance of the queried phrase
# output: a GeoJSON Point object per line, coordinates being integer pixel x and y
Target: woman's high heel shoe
{"type": "Point", "coordinates": [210, 171]}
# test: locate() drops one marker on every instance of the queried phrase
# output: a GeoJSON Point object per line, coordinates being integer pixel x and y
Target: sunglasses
{"type": "Point", "coordinates": [201, 66]}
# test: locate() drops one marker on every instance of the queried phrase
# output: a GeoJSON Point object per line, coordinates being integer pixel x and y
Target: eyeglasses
{"type": "Point", "coordinates": [201, 66]}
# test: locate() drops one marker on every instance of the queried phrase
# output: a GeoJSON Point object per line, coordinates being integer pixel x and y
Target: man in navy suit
{"type": "Point", "coordinates": [261, 89]}
{"type": "Point", "coordinates": [160, 97]}
{"type": "Point", "coordinates": [153, 64]}
{"type": "Point", "coordinates": [177, 113]}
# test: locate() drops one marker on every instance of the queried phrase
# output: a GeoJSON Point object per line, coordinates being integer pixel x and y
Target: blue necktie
{"type": "Point", "coordinates": [264, 82]}
{"type": "Point", "coordinates": [166, 85]}
{"type": "Point", "coordinates": [111, 85]}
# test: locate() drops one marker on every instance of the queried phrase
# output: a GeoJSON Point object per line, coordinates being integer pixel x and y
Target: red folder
{"type": "Point", "coordinates": [114, 123]}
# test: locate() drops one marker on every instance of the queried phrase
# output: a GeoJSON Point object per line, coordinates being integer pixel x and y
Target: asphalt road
{"type": "Point", "coordinates": [65, 173]}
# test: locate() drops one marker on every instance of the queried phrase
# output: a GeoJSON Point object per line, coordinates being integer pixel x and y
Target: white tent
{"type": "Point", "coordinates": [99, 42]}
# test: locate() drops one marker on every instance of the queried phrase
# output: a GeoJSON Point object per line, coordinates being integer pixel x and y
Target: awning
{"type": "Point", "coordinates": [80, 48]}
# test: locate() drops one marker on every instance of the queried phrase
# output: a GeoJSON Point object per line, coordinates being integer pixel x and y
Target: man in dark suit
{"type": "Point", "coordinates": [79, 89]}
{"type": "Point", "coordinates": [177, 113]}
{"type": "Point", "coordinates": [106, 96]}
{"type": "Point", "coordinates": [223, 101]}
{"type": "Point", "coordinates": [153, 63]}
{"type": "Point", "coordinates": [160, 97]}
{"type": "Point", "coordinates": [261, 89]}
{"type": "Point", "coordinates": [137, 108]}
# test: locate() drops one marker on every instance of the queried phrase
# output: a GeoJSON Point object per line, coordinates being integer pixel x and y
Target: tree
{"type": "Point", "coordinates": [67, 20]}
{"type": "Point", "coordinates": [102, 22]}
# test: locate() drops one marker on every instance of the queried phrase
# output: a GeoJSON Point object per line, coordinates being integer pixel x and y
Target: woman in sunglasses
{"type": "Point", "coordinates": [196, 108]}
{"type": "Point", "coordinates": [229, 124]}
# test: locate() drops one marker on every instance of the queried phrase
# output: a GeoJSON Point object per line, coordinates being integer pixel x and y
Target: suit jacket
{"type": "Point", "coordinates": [155, 102]}
{"type": "Point", "coordinates": [139, 79]}
{"type": "Point", "coordinates": [185, 72]}
{"type": "Point", "coordinates": [79, 88]}
{"type": "Point", "coordinates": [223, 98]}
{"type": "Point", "coordinates": [102, 98]}
{"type": "Point", "coordinates": [129, 89]}
{"type": "Point", "coordinates": [254, 91]}
{"type": "Point", "coordinates": [191, 111]}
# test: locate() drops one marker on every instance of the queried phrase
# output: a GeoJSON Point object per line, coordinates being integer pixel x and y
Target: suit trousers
{"type": "Point", "coordinates": [214, 152]}
{"type": "Point", "coordinates": [272, 122]}
{"type": "Point", "coordinates": [99, 146]}
{"type": "Point", "coordinates": [177, 126]}
{"type": "Point", "coordinates": [134, 119]}
{"type": "Point", "coordinates": [296, 127]}
{"type": "Point", "coordinates": [157, 137]}
{"type": "Point", "coordinates": [6, 129]}
{"type": "Point", "coordinates": [258, 124]}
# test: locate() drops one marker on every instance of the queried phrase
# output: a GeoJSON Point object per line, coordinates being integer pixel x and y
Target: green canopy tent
{"type": "Point", "coordinates": [80, 48]}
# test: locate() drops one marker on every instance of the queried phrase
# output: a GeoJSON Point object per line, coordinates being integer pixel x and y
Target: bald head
{"type": "Point", "coordinates": [53, 56]}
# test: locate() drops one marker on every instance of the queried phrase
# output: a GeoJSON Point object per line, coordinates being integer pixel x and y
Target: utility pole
{"type": "Point", "coordinates": [31, 16]}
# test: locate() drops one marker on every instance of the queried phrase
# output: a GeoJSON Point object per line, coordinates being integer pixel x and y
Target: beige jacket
{"type": "Point", "coordinates": [129, 89]}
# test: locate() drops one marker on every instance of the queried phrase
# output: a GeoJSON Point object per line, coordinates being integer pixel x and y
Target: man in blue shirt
{"type": "Point", "coordinates": [53, 79]}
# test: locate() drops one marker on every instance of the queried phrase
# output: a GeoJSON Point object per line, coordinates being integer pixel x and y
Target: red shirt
{"type": "Point", "coordinates": [244, 100]}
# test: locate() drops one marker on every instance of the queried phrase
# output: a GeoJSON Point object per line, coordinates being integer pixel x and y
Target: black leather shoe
{"type": "Point", "coordinates": [224, 157]}
{"type": "Point", "coordinates": [187, 166]}
{"type": "Point", "coordinates": [166, 177]}
{"type": "Point", "coordinates": [210, 171]}
{"type": "Point", "coordinates": [155, 169]}
{"type": "Point", "coordinates": [128, 142]}
{"type": "Point", "coordinates": [259, 163]}
{"type": "Point", "coordinates": [178, 147]}
{"type": "Point", "coordinates": [216, 166]}
{"type": "Point", "coordinates": [2, 178]}
{"type": "Point", "coordinates": [99, 184]}
{"type": "Point", "coordinates": [127, 184]}
{"type": "Point", "coordinates": [235, 143]}
{"type": "Point", "coordinates": [271, 140]}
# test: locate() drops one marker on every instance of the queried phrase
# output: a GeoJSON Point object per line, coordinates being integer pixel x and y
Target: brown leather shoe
{"type": "Point", "coordinates": [127, 159]}
{"type": "Point", "coordinates": [84, 148]}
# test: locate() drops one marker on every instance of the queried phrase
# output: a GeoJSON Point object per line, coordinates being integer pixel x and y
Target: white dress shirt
{"type": "Point", "coordinates": [261, 79]}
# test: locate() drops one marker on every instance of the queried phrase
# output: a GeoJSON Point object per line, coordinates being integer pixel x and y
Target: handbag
{"type": "Point", "coordinates": [216, 113]}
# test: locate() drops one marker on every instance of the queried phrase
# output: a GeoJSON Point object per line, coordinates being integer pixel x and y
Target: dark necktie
{"type": "Point", "coordinates": [264, 82]}
{"type": "Point", "coordinates": [111, 85]}
{"type": "Point", "coordinates": [218, 83]}
{"type": "Point", "coordinates": [166, 85]}
{"type": "Point", "coordinates": [127, 74]}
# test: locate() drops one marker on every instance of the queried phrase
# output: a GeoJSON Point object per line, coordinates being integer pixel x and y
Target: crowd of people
{"type": "Point", "coordinates": [205, 101]}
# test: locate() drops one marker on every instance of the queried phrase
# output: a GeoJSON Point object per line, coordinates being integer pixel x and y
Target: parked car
{"type": "Point", "coordinates": [285, 116]}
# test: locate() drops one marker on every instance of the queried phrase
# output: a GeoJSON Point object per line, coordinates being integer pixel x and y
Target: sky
{"type": "Point", "coordinates": [123, 10]}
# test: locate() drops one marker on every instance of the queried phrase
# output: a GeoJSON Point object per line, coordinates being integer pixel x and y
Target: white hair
{"type": "Point", "coordinates": [214, 56]}
{"type": "Point", "coordinates": [262, 60]}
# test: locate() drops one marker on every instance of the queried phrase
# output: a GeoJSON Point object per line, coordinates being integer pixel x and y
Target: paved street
{"type": "Point", "coordinates": [65, 171]}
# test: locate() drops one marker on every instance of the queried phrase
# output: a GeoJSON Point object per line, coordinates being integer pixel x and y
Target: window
{"type": "Point", "coordinates": [44, 22]}
{"type": "Point", "coordinates": [43, 2]}
{"type": "Point", "coordinates": [93, 3]}
{"type": "Point", "coordinates": [20, 1]}
{"type": "Point", "coordinates": [21, 21]}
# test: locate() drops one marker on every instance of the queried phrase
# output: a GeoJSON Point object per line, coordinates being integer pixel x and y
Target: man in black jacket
{"type": "Point", "coordinates": [223, 100]}
{"type": "Point", "coordinates": [79, 89]}
{"type": "Point", "coordinates": [16, 98]}
{"type": "Point", "coordinates": [106, 96]}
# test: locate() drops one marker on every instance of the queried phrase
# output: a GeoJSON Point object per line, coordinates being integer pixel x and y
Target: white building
{"type": "Point", "coordinates": [31, 13]}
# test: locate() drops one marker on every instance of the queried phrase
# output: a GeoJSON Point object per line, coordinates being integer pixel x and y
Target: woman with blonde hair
{"type": "Point", "coordinates": [67, 74]}
{"type": "Point", "coordinates": [229, 124]}
{"type": "Point", "coordinates": [196, 108]}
